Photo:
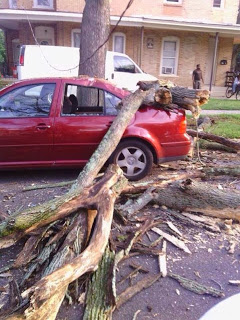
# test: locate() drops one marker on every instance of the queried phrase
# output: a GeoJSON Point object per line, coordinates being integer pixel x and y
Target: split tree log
{"type": "Point", "coordinates": [192, 196]}
{"type": "Point", "coordinates": [212, 137]}
{"type": "Point", "coordinates": [198, 197]}
{"type": "Point", "coordinates": [181, 97]}
{"type": "Point", "coordinates": [190, 99]}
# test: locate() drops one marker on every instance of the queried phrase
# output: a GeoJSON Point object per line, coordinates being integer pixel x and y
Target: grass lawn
{"type": "Point", "coordinates": [227, 126]}
{"type": "Point", "coordinates": [222, 104]}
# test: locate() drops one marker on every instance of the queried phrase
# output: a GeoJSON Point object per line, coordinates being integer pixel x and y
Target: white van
{"type": "Point", "coordinates": [54, 61]}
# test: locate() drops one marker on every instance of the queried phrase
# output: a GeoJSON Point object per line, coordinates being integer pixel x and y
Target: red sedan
{"type": "Point", "coordinates": [59, 122]}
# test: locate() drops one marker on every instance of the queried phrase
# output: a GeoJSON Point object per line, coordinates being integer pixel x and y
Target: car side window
{"type": "Point", "coordinates": [82, 101]}
{"type": "Point", "coordinates": [27, 101]}
{"type": "Point", "coordinates": [111, 103]}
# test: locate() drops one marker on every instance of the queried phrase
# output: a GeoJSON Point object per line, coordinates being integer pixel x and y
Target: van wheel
{"type": "Point", "coordinates": [134, 158]}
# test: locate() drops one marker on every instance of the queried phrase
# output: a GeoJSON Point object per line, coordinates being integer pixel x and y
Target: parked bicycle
{"type": "Point", "coordinates": [233, 87]}
{"type": "Point", "coordinates": [229, 93]}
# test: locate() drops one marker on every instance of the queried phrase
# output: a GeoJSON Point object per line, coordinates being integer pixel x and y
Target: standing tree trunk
{"type": "Point", "coordinates": [94, 31]}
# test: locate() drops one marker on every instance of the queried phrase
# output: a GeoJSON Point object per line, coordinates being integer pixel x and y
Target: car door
{"type": "Point", "coordinates": [80, 128]}
{"type": "Point", "coordinates": [26, 124]}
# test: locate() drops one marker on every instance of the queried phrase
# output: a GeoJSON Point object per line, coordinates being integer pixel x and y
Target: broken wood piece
{"type": "Point", "coordinates": [138, 187]}
{"type": "Point", "coordinates": [138, 267]}
{"type": "Point", "coordinates": [195, 286]}
{"type": "Point", "coordinates": [162, 260]}
{"type": "Point", "coordinates": [178, 243]}
{"type": "Point", "coordinates": [129, 276]}
{"type": "Point", "coordinates": [49, 185]}
{"type": "Point", "coordinates": [212, 137]}
{"type": "Point", "coordinates": [133, 290]}
{"type": "Point", "coordinates": [136, 314]}
{"type": "Point", "coordinates": [129, 209]}
{"type": "Point", "coordinates": [91, 215]}
{"type": "Point", "coordinates": [174, 228]}
{"type": "Point", "coordinates": [188, 218]}
{"type": "Point", "coordinates": [234, 282]}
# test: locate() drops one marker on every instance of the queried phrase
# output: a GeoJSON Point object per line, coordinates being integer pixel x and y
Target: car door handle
{"type": "Point", "coordinates": [109, 124]}
{"type": "Point", "coordinates": [43, 126]}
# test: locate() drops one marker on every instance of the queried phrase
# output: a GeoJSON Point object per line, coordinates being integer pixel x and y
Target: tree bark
{"type": "Point", "coordinates": [219, 171]}
{"type": "Point", "coordinates": [95, 29]}
{"type": "Point", "coordinates": [189, 99]}
{"type": "Point", "coordinates": [212, 137]}
{"type": "Point", "coordinates": [198, 197]}
{"type": "Point", "coordinates": [88, 260]}
{"type": "Point", "coordinates": [99, 303]}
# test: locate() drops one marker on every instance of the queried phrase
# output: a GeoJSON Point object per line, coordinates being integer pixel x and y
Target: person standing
{"type": "Point", "coordinates": [197, 77]}
{"type": "Point", "coordinates": [236, 84]}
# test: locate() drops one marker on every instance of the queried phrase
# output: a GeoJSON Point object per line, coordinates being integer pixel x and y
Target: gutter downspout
{"type": "Point", "coordinates": [141, 46]}
{"type": "Point", "coordinates": [214, 60]}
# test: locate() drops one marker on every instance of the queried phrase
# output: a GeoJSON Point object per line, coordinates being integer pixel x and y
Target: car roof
{"type": "Point", "coordinates": [81, 80]}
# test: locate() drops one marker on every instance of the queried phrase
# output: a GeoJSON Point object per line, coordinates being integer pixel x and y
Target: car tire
{"type": "Point", "coordinates": [134, 158]}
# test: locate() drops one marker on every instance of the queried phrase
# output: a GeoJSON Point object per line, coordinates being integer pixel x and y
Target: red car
{"type": "Point", "coordinates": [59, 122]}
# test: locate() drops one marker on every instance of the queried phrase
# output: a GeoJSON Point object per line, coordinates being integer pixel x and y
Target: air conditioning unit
{"type": "Point", "coordinates": [167, 70]}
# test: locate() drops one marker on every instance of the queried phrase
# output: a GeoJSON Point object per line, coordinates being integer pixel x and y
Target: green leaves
{"type": "Point", "coordinates": [2, 47]}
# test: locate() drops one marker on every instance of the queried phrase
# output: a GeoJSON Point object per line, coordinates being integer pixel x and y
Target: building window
{"type": "Point", "coordinates": [217, 3]}
{"type": "Point", "coordinates": [76, 33]}
{"type": "Point", "coordinates": [119, 42]}
{"type": "Point", "coordinates": [173, 1]}
{"type": "Point", "coordinates": [45, 4]}
{"type": "Point", "coordinates": [170, 51]}
{"type": "Point", "coordinates": [13, 4]}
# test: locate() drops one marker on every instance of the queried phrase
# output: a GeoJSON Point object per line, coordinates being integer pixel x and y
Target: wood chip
{"type": "Point", "coordinates": [175, 229]}
{"type": "Point", "coordinates": [162, 260]}
{"type": "Point", "coordinates": [234, 282]}
{"type": "Point", "coordinates": [178, 243]}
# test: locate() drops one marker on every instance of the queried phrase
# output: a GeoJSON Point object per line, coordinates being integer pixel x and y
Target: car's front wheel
{"type": "Point", "coordinates": [134, 158]}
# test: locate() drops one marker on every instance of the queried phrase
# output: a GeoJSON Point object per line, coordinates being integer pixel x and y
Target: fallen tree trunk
{"type": "Point", "coordinates": [180, 97]}
{"type": "Point", "coordinates": [190, 196]}
{"type": "Point", "coordinates": [229, 171]}
{"type": "Point", "coordinates": [198, 197]}
{"type": "Point", "coordinates": [212, 137]}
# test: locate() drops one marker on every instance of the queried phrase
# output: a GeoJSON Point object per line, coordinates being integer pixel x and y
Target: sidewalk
{"type": "Point", "coordinates": [220, 111]}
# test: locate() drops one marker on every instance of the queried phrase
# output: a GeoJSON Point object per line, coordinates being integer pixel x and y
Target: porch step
{"type": "Point", "coordinates": [217, 92]}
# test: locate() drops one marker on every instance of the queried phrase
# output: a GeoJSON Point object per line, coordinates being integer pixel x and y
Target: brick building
{"type": "Point", "coordinates": [167, 38]}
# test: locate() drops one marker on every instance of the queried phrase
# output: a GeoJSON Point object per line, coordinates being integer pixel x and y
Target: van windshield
{"type": "Point", "coordinates": [123, 64]}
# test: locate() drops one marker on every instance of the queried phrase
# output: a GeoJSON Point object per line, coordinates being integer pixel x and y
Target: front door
{"type": "Point", "coordinates": [26, 125]}
{"type": "Point", "coordinates": [86, 115]}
